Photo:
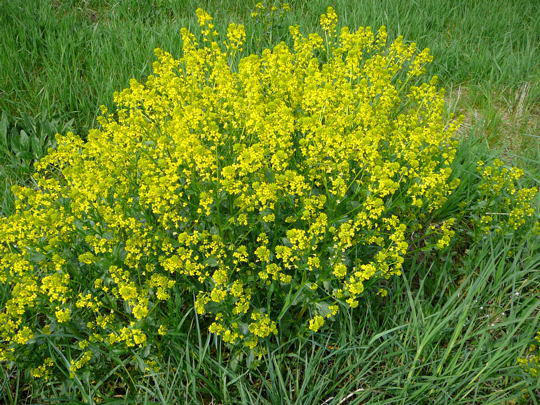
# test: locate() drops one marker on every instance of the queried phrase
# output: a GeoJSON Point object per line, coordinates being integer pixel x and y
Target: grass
{"type": "Point", "coordinates": [452, 327]}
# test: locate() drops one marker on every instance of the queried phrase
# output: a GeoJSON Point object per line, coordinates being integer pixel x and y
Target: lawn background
{"type": "Point", "coordinates": [450, 330]}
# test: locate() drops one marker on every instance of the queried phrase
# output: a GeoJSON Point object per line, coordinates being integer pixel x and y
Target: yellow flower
{"type": "Point", "coordinates": [236, 34]}
{"type": "Point", "coordinates": [203, 16]}
{"type": "Point", "coordinates": [340, 270]}
{"type": "Point", "coordinates": [316, 322]}
{"type": "Point", "coordinates": [329, 20]}
{"type": "Point", "coordinates": [63, 315]}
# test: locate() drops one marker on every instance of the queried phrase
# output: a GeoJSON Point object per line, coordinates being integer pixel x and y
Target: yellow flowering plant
{"type": "Point", "coordinates": [267, 196]}
{"type": "Point", "coordinates": [505, 206]}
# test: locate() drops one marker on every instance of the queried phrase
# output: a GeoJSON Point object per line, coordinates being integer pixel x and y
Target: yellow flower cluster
{"type": "Point", "coordinates": [329, 20]}
{"type": "Point", "coordinates": [274, 188]}
{"type": "Point", "coordinates": [505, 205]}
{"type": "Point", "coordinates": [236, 34]}
{"type": "Point", "coordinates": [444, 232]}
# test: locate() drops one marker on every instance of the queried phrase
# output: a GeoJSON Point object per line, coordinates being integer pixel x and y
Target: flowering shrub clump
{"type": "Point", "coordinates": [268, 194]}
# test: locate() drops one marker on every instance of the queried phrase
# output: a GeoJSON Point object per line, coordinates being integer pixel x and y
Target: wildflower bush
{"type": "Point", "coordinates": [267, 192]}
